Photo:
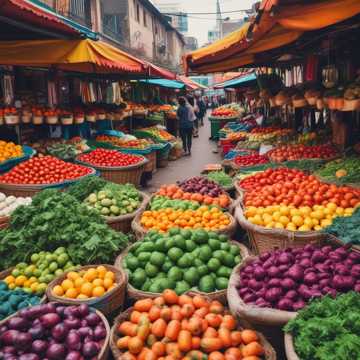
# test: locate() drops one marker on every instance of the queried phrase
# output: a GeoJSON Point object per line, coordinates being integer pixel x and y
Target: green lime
{"type": "Point", "coordinates": [175, 273]}
{"type": "Point", "coordinates": [190, 245]}
{"type": "Point", "coordinates": [205, 253]}
{"type": "Point", "coordinates": [160, 245]}
{"type": "Point", "coordinates": [157, 258]}
{"type": "Point", "coordinates": [185, 261]}
{"type": "Point", "coordinates": [182, 287]}
{"type": "Point", "coordinates": [195, 253]}
{"type": "Point", "coordinates": [225, 246]}
{"type": "Point", "coordinates": [218, 254]}
{"type": "Point", "coordinates": [138, 278]}
{"type": "Point", "coordinates": [169, 243]}
{"type": "Point", "coordinates": [49, 278]}
{"type": "Point", "coordinates": [214, 264]}
{"type": "Point", "coordinates": [62, 259]}
{"type": "Point", "coordinates": [132, 262]}
{"type": "Point", "coordinates": [151, 270]}
{"type": "Point", "coordinates": [35, 258]}
{"type": "Point", "coordinates": [200, 236]}
{"type": "Point", "coordinates": [155, 287]}
{"type": "Point", "coordinates": [169, 283]}
{"type": "Point", "coordinates": [202, 270]}
{"type": "Point", "coordinates": [58, 272]}
{"type": "Point", "coordinates": [214, 244]}
{"type": "Point", "coordinates": [238, 259]}
{"type": "Point", "coordinates": [161, 275]}
{"type": "Point", "coordinates": [223, 238]}
{"type": "Point", "coordinates": [213, 235]}
{"type": "Point", "coordinates": [53, 266]}
{"type": "Point", "coordinates": [221, 283]}
{"type": "Point", "coordinates": [16, 272]}
{"type": "Point", "coordinates": [191, 276]}
{"type": "Point", "coordinates": [223, 271]}
{"type": "Point", "coordinates": [50, 257]}
{"type": "Point", "coordinates": [207, 284]}
{"type": "Point", "coordinates": [146, 246]}
{"type": "Point", "coordinates": [175, 254]}
{"type": "Point", "coordinates": [198, 262]}
{"type": "Point", "coordinates": [174, 231]}
{"type": "Point", "coordinates": [146, 285]}
{"type": "Point", "coordinates": [41, 288]}
{"type": "Point", "coordinates": [180, 242]}
{"type": "Point", "coordinates": [185, 233]}
{"type": "Point", "coordinates": [234, 250]}
{"type": "Point", "coordinates": [167, 266]}
{"type": "Point", "coordinates": [37, 273]}
{"type": "Point", "coordinates": [60, 250]}
{"type": "Point", "coordinates": [21, 266]}
{"type": "Point", "coordinates": [144, 257]}
{"type": "Point", "coordinates": [228, 260]}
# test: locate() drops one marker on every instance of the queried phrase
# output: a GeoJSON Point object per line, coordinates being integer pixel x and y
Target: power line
{"type": "Point", "coordinates": [207, 13]}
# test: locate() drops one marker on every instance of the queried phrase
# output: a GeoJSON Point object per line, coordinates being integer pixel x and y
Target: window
{"type": "Point", "coordinates": [137, 13]}
{"type": "Point", "coordinates": [144, 18]}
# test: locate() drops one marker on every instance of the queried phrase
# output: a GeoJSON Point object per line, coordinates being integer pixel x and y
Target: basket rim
{"type": "Point", "coordinates": [289, 347]}
{"type": "Point", "coordinates": [143, 161]}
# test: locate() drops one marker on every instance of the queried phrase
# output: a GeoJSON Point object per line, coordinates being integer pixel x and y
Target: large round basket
{"type": "Point", "coordinates": [141, 231]}
{"type": "Point", "coordinates": [104, 353]}
{"type": "Point", "coordinates": [269, 352]}
{"type": "Point", "coordinates": [121, 175]}
{"type": "Point", "coordinates": [264, 239]}
{"type": "Point", "coordinates": [151, 165]}
{"type": "Point", "coordinates": [123, 222]}
{"type": "Point", "coordinates": [289, 347]}
{"type": "Point", "coordinates": [111, 301]}
{"type": "Point", "coordinates": [136, 294]}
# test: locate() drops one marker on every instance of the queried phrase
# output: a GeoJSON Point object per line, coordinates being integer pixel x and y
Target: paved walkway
{"type": "Point", "coordinates": [188, 166]}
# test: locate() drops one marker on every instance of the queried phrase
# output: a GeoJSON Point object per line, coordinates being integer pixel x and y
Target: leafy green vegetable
{"type": "Point", "coordinates": [83, 188]}
{"type": "Point", "coordinates": [63, 151]}
{"type": "Point", "coordinates": [221, 178]}
{"type": "Point", "coordinates": [304, 164]}
{"type": "Point", "coordinates": [328, 329]}
{"type": "Point", "coordinates": [56, 219]}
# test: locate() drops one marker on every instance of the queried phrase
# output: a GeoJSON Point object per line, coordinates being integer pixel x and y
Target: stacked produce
{"type": "Point", "coordinates": [225, 112]}
{"type": "Point", "coordinates": [296, 152]}
{"type": "Point", "coordinates": [201, 185]}
{"type": "Point", "coordinates": [52, 331]}
{"type": "Point", "coordinates": [9, 203]}
{"type": "Point", "coordinates": [162, 202]}
{"type": "Point", "coordinates": [288, 279]}
{"type": "Point", "coordinates": [267, 133]}
{"type": "Point", "coordinates": [221, 178]}
{"type": "Point", "coordinates": [44, 266]}
{"type": "Point", "coordinates": [44, 170]}
{"type": "Point", "coordinates": [173, 326]}
{"type": "Point", "coordinates": [8, 150]}
{"type": "Point", "coordinates": [114, 199]}
{"type": "Point", "coordinates": [84, 187]}
{"type": "Point", "coordinates": [326, 329]}
{"type": "Point", "coordinates": [182, 260]}
{"type": "Point", "coordinates": [251, 160]}
{"type": "Point", "coordinates": [156, 133]}
{"type": "Point", "coordinates": [209, 218]}
{"type": "Point", "coordinates": [176, 193]}
{"type": "Point", "coordinates": [14, 300]}
{"type": "Point", "coordinates": [123, 142]}
{"type": "Point", "coordinates": [57, 219]}
{"type": "Point", "coordinates": [63, 151]}
{"type": "Point", "coordinates": [85, 284]}
{"type": "Point", "coordinates": [109, 158]}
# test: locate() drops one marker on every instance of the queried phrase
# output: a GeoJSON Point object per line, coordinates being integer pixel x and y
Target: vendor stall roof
{"type": "Point", "coordinates": [172, 84]}
{"type": "Point", "coordinates": [191, 84]}
{"type": "Point", "coordinates": [42, 18]}
{"type": "Point", "coordinates": [239, 81]}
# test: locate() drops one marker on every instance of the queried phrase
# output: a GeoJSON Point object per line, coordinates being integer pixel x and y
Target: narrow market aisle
{"type": "Point", "coordinates": [188, 166]}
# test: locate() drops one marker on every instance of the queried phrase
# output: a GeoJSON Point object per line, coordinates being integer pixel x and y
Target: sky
{"type": "Point", "coordinates": [200, 24]}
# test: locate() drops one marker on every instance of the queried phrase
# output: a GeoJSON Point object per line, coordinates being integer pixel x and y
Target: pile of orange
{"type": "Point", "coordinates": [9, 150]}
{"type": "Point", "coordinates": [84, 284]}
{"type": "Point", "coordinates": [204, 217]}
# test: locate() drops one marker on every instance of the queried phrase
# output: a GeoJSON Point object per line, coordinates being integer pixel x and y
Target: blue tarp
{"type": "Point", "coordinates": [164, 83]}
{"type": "Point", "coordinates": [239, 81]}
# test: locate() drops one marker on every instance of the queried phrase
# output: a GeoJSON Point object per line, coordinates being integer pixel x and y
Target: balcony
{"type": "Point", "coordinates": [76, 10]}
{"type": "Point", "coordinates": [111, 24]}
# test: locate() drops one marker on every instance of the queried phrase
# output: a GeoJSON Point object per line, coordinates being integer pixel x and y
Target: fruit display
{"type": "Point", "coordinates": [53, 331]}
{"type": "Point", "coordinates": [8, 150]}
{"type": "Point", "coordinates": [289, 279]}
{"type": "Point", "coordinates": [44, 170]}
{"type": "Point", "coordinates": [114, 200]}
{"type": "Point", "coordinates": [162, 202]}
{"type": "Point", "coordinates": [9, 203]}
{"type": "Point", "coordinates": [236, 136]}
{"type": "Point", "coordinates": [250, 160]}
{"type": "Point", "coordinates": [14, 300]}
{"type": "Point", "coordinates": [124, 142]}
{"type": "Point", "coordinates": [176, 193]}
{"type": "Point", "coordinates": [155, 133]}
{"type": "Point", "coordinates": [110, 158]}
{"type": "Point", "coordinates": [93, 282]}
{"type": "Point", "coordinates": [313, 330]}
{"type": "Point", "coordinates": [261, 134]}
{"type": "Point", "coordinates": [201, 185]}
{"type": "Point", "coordinates": [33, 277]}
{"type": "Point", "coordinates": [296, 152]}
{"type": "Point", "coordinates": [185, 327]}
{"type": "Point", "coordinates": [221, 178]}
{"type": "Point", "coordinates": [181, 260]}
{"type": "Point", "coordinates": [224, 112]}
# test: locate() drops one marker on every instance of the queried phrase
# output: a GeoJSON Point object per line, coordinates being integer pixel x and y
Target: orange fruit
{"type": "Point", "coordinates": [79, 282]}
{"type": "Point", "coordinates": [98, 282]}
{"type": "Point", "coordinates": [71, 293]}
{"type": "Point", "coordinates": [72, 275]}
{"type": "Point", "coordinates": [98, 291]}
{"type": "Point", "coordinates": [101, 269]}
{"type": "Point", "coordinates": [58, 290]}
{"type": "Point", "coordinates": [108, 283]}
{"type": "Point", "coordinates": [91, 274]}
{"type": "Point", "coordinates": [82, 297]}
{"type": "Point", "coordinates": [67, 284]}
{"type": "Point", "coordinates": [110, 275]}
{"type": "Point", "coordinates": [86, 289]}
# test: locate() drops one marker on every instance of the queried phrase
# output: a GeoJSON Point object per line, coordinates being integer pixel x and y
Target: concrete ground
{"type": "Point", "coordinates": [188, 166]}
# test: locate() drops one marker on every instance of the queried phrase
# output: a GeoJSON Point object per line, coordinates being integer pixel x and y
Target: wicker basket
{"type": "Point", "coordinates": [12, 119]}
{"type": "Point", "coordinates": [90, 118]}
{"type": "Point", "coordinates": [123, 222]}
{"type": "Point", "coordinates": [289, 347]}
{"type": "Point", "coordinates": [269, 352]}
{"type": "Point", "coordinates": [52, 120]}
{"type": "Point", "coordinates": [26, 118]}
{"type": "Point", "coordinates": [67, 120]}
{"type": "Point", "coordinates": [136, 294]}
{"type": "Point", "coordinates": [263, 239]}
{"type": "Point", "coordinates": [37, 119]}
{"type": "Point", "coordinates": [151, 165]}
{"type": "Point", "coordinates": [79, 119]}
{"type": "Point", "coordinates": [111, 301]}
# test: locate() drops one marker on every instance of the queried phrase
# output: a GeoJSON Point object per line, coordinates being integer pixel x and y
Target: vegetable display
{"type": "Point", "coordinates": [63, 151]}
{"type": "Point", "coordinates": [44, 170]}
{"type": "Point", "coordinates": [155, 133]}
{"type": "Point", "coordinates": [9, 203]}
{"type": "Point", "coordinates": [162, 202]}
{"type": "Point", "coordinates": [250, 160]}
{"type": "Point", "coordinates": [14, 300]}
{"type": "Point", "coordinates": [220, 177]}
{"type": "Point", "coordinates": [204, 217]}
{"type": "Point", "coordinates": [52, 331]}
{"type": "Point", "coordinates": [57, 219]}
{"type": "Point", "coordinates": [84, 187]}
{"type": "Point", "coordinates": [184, 327]}
{"type": "Point", "coordinates": [124, 143]}
{"type": "Point", "coordinates": [289, 279]}
{"type": "Point", "coordinates": [181, 260]}
{"type": "Point", "coordinates": [110, 158]}
{"type": "Point", "coordinates": [327, 328]}
{"type": "Point", "coordinates": [8, 150]}
{"type": "Point", "coordinates": [44, 266]}
{"type": "Point", "coordinates": [85, 284]}
{"type": "Point", "coordinates": [202, 186]}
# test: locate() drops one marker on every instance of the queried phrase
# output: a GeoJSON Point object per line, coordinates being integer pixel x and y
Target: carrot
{"type": "Point", "coordinates": [187, 310]}
{"type": "Point", "coordinates": [135, 345]}
{"type": "Point", "coordinates": [214, 320]}
{"type": "Point", "coordinates": [123, 342]}
{"type": "Point", "coordinates": [253, 348]}
{"type": "Point", "coordinates": [143, 305]}
{"type": "Point", "coordinates": [154, 313]}
{"type": "Point", "coordinates": [248, 336]}
{"type": "Point", "coordinates": [185, 299]}
{"type": "Point", "coordinates": [195, 325]}
{"type": "Point", "coordinates": [210, 333]}
{"type": "Point", "coordinates": [158, 328]}
{"type": "Point", "coordinates": [216, 355]}
{"type": "Point", "coordinates": [195, 342]}
{"type": "Point", "coordinates": [229, 322]}
{"type": "Point", "coordinates": [158, 348]}
{"type": "Point", "coordinates": [172, 330]}
{"type": "Point", "coordinates": [211, 344]}
{"type": "Point", "coordinates": [184, 340]}
{"type": "Point", "coordinates": [199, 301]}
{"type": "Point", "coordinates": [225, 336]}
{"type": "Point", "coordinates": [127, 328]}
{"type": "Point", "coordinates": [236, 338]}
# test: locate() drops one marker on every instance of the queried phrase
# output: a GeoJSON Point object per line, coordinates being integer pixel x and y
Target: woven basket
{"type": "Point", "coordinates": [151, 165]}
{"type": "Point", "coordinates": [112, 300]}
{"type": "Point", "coordinates": [104, 353]}
{"type": "Point", "coordinates": [123, 222]}
{"type": "Point", "coordinates": [140, 231]}
{"type": "Point", "coordinates": [239, 190]}
{"type": "Point", "coordinates": [289, 347]}
{"type": "Point", "coordinates": [269, 352]}
{"type": "Point", "coordinates": [136, 294]}
{"type": "Point", "coordinates": [263, 239]}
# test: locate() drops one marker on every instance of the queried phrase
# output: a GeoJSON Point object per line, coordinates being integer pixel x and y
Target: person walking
{"type": "Point", "coordinates": [202, 109]}
{"type": "Point", "coordinates": [185, 116]}
{"type": "Point", "coordinates": [193, 111]}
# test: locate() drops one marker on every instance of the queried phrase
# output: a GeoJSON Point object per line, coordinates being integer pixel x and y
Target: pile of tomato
{"type": "Point", "coordinates": [110, 158]}
{"type": "Point", "coordinates": [250, 160]}
{"type": "Point", "coordinates": [297, 152]}
{"type": "Point", "coordinates": [44, 170]}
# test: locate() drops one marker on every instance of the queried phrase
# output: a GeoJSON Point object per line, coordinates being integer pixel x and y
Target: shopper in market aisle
{"type": "Point", "coordinates": [193, 110]}
{"type": "Point", "coordinates": [202, 109]}
{"type": "Point", "coordinates": [186, 116]}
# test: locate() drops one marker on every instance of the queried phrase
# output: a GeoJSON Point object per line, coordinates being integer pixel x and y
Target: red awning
{"type": "Point", "coordinates": [157, 71]}
{"type": "Point", "coordinates": [24, 11]}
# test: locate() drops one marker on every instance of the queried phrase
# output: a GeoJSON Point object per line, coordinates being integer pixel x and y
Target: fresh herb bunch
{"type": "Point", "coordinates": [83, 188]}
{"type": "Point", "coordinates": [328, 329]}
{"type": "Point", "coordinates": [349, 166]}
{"type": "Point", "coordinates": [305, 164]}
{"type": "Point", "coordinates": [56, 219]}
{"type": "Point", "coordinates": [221, 178]}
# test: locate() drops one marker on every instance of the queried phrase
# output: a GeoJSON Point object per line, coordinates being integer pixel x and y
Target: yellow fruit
{"type": "Point", "coordinates": [308, 221]}
{"type": "Point", "coordinates": [305, 210]}
{"type": "Point", "coordinates": [291, 226]}
{"type": "Point", "coordinates": [20, 280]}
{"type": "Point", "coordinates": [27, 283]}
{"type": "Point", "coordinates": [110, 275]}
{"type": "Point", "coordinates": [297, 220]}
{"type": "Point", "coordinates": [12, 286]}
{"type": "Point", "coordinates": [315, 222]}
{"type": "Point", "coordinates": [101, 271]}
{"type": "Point", "coordinates": [113, 286]}
{"type": "Point", "coordinates": [34, 286]}
{"type": "Point", "coordinates": [33, 279]}
{"type": "Point", "coordinates": [72, 275]}
{"type": "Point", "coordinates": [317, 214]}
{"type": "Point", "coordinates": [71, 293]}
{"type": "Point", "coordinates": [251, 219]}
{"type": "Point", "coordinates": [325, 222]}
{"type": "Point", "coordinates": [284, 210]}
{"type": "Point", "coordinates": [86, 289]}
{"type": "Point", "coordinates": [284, 220]}
{"type": "Point", "coordinates": [339, 211]}
{"type": "Point", "coordinates": [267, 219]}
{"type": "Point", "coordinates": [91, 274]}
{"type": "Point", "coordinates": [259, 211]}
{"type": "Point", "coordinates": [108, 283]}
{"type": "Point", "coordinates": [58, 290]}
{"type": "Point", "coordinates": [9, 279]}
{"type": "Point", "coordinates": [327, 211]}
{"type": "Point", "coordinates": [67, 284]}
{"type": "Point", "coordinates": [317, 227]}
{"type": "Point", "coordinates": [270, 225]}
{"type": "Point", "coordinates": [303, 228]}
{"type": "Point", "coordinates": [98, 282]}
{"type": "Point", "coordinates": [295, 212]}
{"type": "Point", "coordinates": [279, 225]}
{"type": "Point", "coordinates": [276, 215]}
{"type": "Point", "coordinates": [331, 206]}
{"type": "Point", "coordinates": [98, 291]}
{"type": "Point", "coordinates": [257, 220]}
{"type": "Point", "coordinates": [349, 211]}
{"type": "Point", "coordinates": [82, 297]}
{"type": "Point", "coordinates": [79, 282]}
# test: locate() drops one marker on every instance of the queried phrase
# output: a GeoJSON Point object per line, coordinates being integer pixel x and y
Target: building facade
{"type": "Point", "coordinates": [173, 10]}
